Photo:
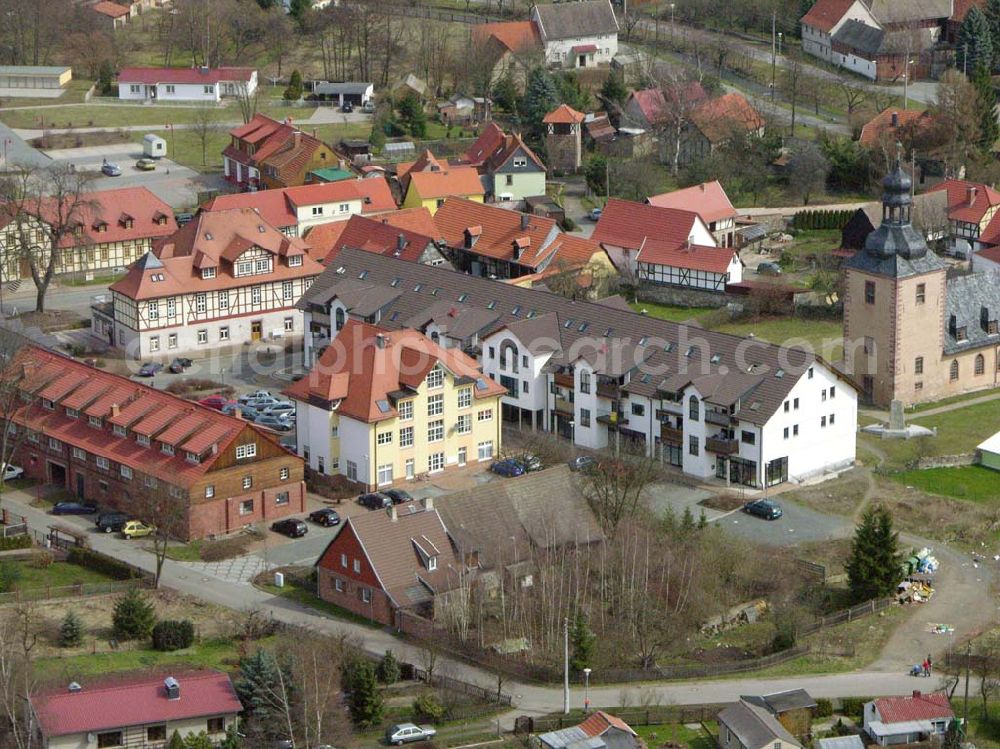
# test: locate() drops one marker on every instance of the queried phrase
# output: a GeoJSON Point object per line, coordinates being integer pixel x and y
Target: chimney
{"type": "Point", "coordinates": [298, 138]}
{"type": "Point", "coordinates": [173, 688]}
{"type": "Point", "coordinates": [702, 186]}
{"type": "Point", "coordinates": [391, 512]}
{"type": "Point", "coordinates": [524, 221]}
{"type": "Point", "coordinates": [115, 410]}
{"type": "Point", "coordinates": [381, 340]}
{"type": "Point", "coordinates": [238, 413]}
{"type": "Point", "coordinates": [916, 694]}
{"type": "Point", "coordinates": [895, 119]}
{"type": "Point", "coordinates": [970, 194]}
{"type": "Point", "coordinates": [428, 503]}
{"type": "Point", "coordinates": [400, 243]}
{"type": "Point", "coordinates": [75, 688]}
{"type": "Point", "coordinates": [204, 69]}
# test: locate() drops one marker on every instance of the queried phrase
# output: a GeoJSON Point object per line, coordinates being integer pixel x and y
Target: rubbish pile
{"type": "Point", "coordinates": [914, 591]}
{"type": "Point", "coordinates": [918, 574]}
{"type": "Point", "coordinates": [924, 562]}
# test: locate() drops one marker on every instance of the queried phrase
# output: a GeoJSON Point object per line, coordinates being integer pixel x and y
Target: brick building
{"type": "Point", "coordinates": [109, 440]}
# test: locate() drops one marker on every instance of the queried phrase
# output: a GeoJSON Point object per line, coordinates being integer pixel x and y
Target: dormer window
{"type": "Point", "coordinates": [95, 421]}
{"type": "Point", "coordinates": [142, 439]}
{"type": "Point", "coordinates": [72, 413]}
{"type": "Point", "coordinates": [432, 563]}
{"type": "Point", "coordinates": [48, 405]}
{"type": "Point", "coordinates": [520, 162]}
{"type": "Point", "coordinates": [294, 261]}
{"type": "Point", "coordinates": [207, 273]}
{"type": "Point", "coordinates": [192, 457]}
{"type": "Point", "coordinates": [119, 431]}
{"type": "Point", "coordinates": [100, 227]}
{"type": "Point", "coordinates": [166, 449]}
{"type": "Point", "coordinates": [961, 334]}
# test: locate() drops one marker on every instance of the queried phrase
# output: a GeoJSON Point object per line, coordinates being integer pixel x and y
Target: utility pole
{"type": "Point", "coordinates": [607, 181]}
{"type": "Point", "coordinates": [566, 666]}
{"type": "Point", "coordinates": [965, 61]}
{"type": "Point", "coordinates": [913, 172]}
{"type": "Point", "coordinates": [774, 22]}
{"type": "Point", "coordinates": [965, 709]}
{"type": "Point", "coordinates": [656, 16]}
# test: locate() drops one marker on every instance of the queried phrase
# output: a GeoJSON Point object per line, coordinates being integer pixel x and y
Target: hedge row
{"type": "Point", "coordinates": [15, 542]}
{"type": "Point", "coordinates": [102, 563]}
{"type": "Point", "coordinates": [806, 220]}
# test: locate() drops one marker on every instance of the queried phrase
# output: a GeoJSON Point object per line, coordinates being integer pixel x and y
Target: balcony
{"type": "Point", "coordinates": [719, 418]}
{"type": "Point", "coordinates": [665, 414]}
{"type": "Point", "coordinates": [612, 419]}
{"type": "Point", "coordinates": [564, 380]}
{"type": "Point", "coordinates": [721, 445]}
{"type": "Point", "coordinates": [608, 389]}
{"type": "Point", "coordinates": [671, 435]}
{"type": "Point", "coordinates": [563, 406]}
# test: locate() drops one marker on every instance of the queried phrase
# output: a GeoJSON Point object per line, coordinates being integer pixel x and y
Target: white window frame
{"type": "Point", "coordinates": [249, 450]}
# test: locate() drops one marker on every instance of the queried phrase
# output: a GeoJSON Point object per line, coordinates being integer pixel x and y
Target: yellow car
{"type": "Point", "coordinates": [145, 165]}
{"type": "Point", "coordinates": [137, 529]}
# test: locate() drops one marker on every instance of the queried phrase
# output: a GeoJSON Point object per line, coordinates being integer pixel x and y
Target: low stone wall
{"type": "Point", "coordinates": [948, 461]}
{"type": "Point", "coordinates": [679, 297]}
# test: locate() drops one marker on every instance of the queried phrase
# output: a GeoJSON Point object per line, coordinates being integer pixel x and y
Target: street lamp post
{"type": "Point", "coordinates": [672, 23]}
{"type": "Point", "coordinates": [906, 83]}
{"type": "Point", "coordinates": [780, 35]}
{"type": "Point", "coordinates": [586, 690]}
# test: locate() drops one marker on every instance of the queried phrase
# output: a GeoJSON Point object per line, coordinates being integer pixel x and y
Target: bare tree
{"type": "Point", "coordinates": [247, 100]}
{"type": "Point", "coordinates": [676, 116]}
{"type": "Point", "coordinates": [155, 506]}
{"type": "Point", "coordinates": [614, 487]}
{"type": "Point", "coordinates": [204, 124]}
{"type": "Point", "coordinates": [985, 665]}
{"type": "Point", "coordinates": [19, 631]}
{"type": "Point", "coordinates": [314, 663]}
{"type": "Point", "coordinates": [12, 379]}
{"type": "Point", "coordinates": [792, 82]}
{"type": "Point", "coordinates": [48, 208]}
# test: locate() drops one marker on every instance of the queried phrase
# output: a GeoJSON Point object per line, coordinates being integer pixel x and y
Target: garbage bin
{"type": "Point", "coordinates": [279, 579]}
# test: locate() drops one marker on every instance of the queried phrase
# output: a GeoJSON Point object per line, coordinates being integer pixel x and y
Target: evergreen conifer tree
{"type": "Point", "coordinates": [873, 569]}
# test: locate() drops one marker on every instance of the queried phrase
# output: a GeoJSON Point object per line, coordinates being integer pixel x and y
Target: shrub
{"type": "Point", "coordinates": [95, 560]}
{"type": "Point", "coordinates": [133, 617]}
{"type": "Point", "coordinates": [387, 671]}
{"type": "Point", "coordinates": [853, 707]}
{"type": "Point", "coordinates": [71, 631]}
{"type": "Point", "coordinates": [15, 542]}
{"type": "Point", "coordinates": [784, 637]}
{"type": "Point", "coordinates": [428, 709]}
{"type": "Point", "coordinates": [824, 707]}
{"type": "Point", "coordinates": [10, 573]}
{"type": "Point", "coordinates": [171, 634]}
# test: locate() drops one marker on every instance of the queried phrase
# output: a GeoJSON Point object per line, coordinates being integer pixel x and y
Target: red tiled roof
{"type": "Point", "coordinates": [270, 205]}
{"type": "Point", "coordinates": [500, 228]}
{"type": "Point", "coordinates": [627, 224]}
{"type": "Point", "coordinates": [358, 372]}
{"type": "Point", "coordinates": [960, 208]}
{"type": "Point", "coordinates": [516, 36]}
{"type": "Point", "coordinates": [139, 701]}
{"type": "Point", "coordinates": [152, 76]}
{"type": "Point", "coordinates": [462, 181]}
{"type": "Point", "coordinates": [123, 402]}
{"type": "Point", "coordinates": [564, 115]}
{"type": "Point", "coordinates": [825, 14]}
{"type": "Point", "coordinates": [881, 123]}
{"type": "Point", "coordinates": [173, 267]}
{"type": "Point", "coordinates": [111, 10]}
{"type": "Point", "coordinates": [651, 103]}
{"type": "Point", "coordinates": [488, 141]}
{"type": "Point", "coordinates": [717, 118]}
{"type": "Point", "coordinates": [600, 721]}
{"type": "Point", "coordinates": [419, 220]}
{"type": "Point", "coordinates": [917, 706]}
{"type": "Point", "coordinates": [370, 235]}
{"type": "Point", "coordinates": [695, 257]}
{"type": "Point", "coordinates": [708, 200]}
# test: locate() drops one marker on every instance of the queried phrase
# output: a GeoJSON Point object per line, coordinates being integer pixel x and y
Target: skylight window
{"type": "Point", "coordinates": [668, 347]}
{"type": "Point", "coordinates": [516, 311]}
{"type": "Point", "coordinates": [481, 384]}
{"type": "Point", "coordinates": [435, 292]}
{"type": "Point", "coordinates": [395, 282]}
{"type": "Point", "coordinates": [716, 358]}
{"type": "Point", "coordinates": [569, 323]}
{"type": "Point", "coordinates": [779, 373]}
{"type": "Point", "coordinates": [583, 327]}
{"type": "Point", "coordinates": [383, 406]}
{"type": "Point", "coordinates": [418, 287]}
{"type": "Point", "coordinates": [363, 275]}
{"type": "Point", "coordinates": [644, 340]}
{"type": "Point", "coordinates": [492, 305]}
{"type": "Point", "coordinates": [531, 313]}
{"type": "Point", "coordinates": [462, 297]}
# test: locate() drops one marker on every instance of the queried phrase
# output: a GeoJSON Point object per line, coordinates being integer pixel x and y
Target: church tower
{"type": "Point", "coordinates": [894, 300]}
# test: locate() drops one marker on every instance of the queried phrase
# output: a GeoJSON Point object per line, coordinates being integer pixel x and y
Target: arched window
{"type": "Point", "coordinates": [509, 352]}
{"type": "Point", "coordinates": [980, 364]}
{"type": "Point", "coordinates": [340, 318]}
{"type": "Point", "coordinates": [954, 369]}
{"type": "Point", "coordinates": [693, 408]}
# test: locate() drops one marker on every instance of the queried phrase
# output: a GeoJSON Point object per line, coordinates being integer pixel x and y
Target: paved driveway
{"type": "Point", "coordinates": [798, 525]}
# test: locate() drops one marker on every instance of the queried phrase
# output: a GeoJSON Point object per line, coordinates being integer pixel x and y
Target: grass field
{"type": "Point", "coordinates": [825, 337]}
{"type": "Point", "coordinates": [56, 575]}
{"type": "Point", "coordinates": [973, 483]}
{"type": "Point", "coordinates": [675, 314]}
{"type": "Point", "coordinates": [122, 115]}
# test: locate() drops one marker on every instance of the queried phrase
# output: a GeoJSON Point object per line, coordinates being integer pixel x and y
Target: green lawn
{"type": "Point", "coordinates": [810, 244]}
{"type": "Point", "coordinates": [825, 337]}
{"type": "Point", "coordinates": [307, 598]}
{"type": "Point", "coordinates": [56, 575]}
{"type": "Point", "coordinates": [973, 483]}
{"type": "Point", "coordinates": [675, 734]}
{"type": "Point", "coordinates": [667, 312]}
{"type": "Point", "coordinates": [120, 115]}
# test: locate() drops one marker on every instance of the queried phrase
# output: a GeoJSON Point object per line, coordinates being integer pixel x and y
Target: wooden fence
{"type": "Point", "coordinates": [847, 615]}
{"type": "Point", "coordinates": [72, 591]}
{"type": "Point", "coordinates": [455, 685]}
{"type": "Point", "coordinates": [653, 715]}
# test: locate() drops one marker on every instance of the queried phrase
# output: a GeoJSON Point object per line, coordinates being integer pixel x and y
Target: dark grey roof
{"type": "Point", "coordinates": [889, 12]}
{"type": "Point", "coordinates": [967, 297]}
{"type": "Point", "coordinates": [841, 742]}
{"type": "Point", "coordinates": [754, 726]}
{"type": "Point", "coordinates": [859, 36]}
{"type": "Point", "coordinates": [662, 344]}
{"type": "Point", "coordinates": [346, 87]}
{"type": "Point", "coordinates": [18, 152]}
{"type": "Point", "coordinates": [445, 315]}
{"type": "Point", "coordinates": [579, 18]}
{"type": "Point", "coordinates": [891, 238]}
{"type": "Point", "coordinates": [782, 702]}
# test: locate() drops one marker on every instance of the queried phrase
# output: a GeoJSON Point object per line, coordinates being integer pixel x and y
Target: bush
{"type": "Point", "coordinates": [387, 671]}
{"type": "Point", "coordinates": [824, 707]}
{"type": "Point", "coordinates": [427, 709]}
{"type": "Point", "coordinates": [853, 707]}
{"type": "Point", "coordinates": [95, 560]}
{"type": "Point", "coordinates": [171, 634]}
{"type": "Point", "coordinates": [10, 574]}
{"type": "Point", "coordinates": [10, 543]}
{"type": "Point", "coordinates": [71, 631]}
{"type": "Point", "coordinates": [133, 617]}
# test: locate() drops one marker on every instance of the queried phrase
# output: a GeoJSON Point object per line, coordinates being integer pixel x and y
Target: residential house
{"type": "Point", "coordinates": [493, 242]}
{"type": "Point", "coordinates": [202, 84]}
{"type": "Point", "coordinates": [745, 725]}
{"type": "Point", "coordinates": [510, 47]}
{"type": "Point", "coordinates": [501, 526]}
{"type": "Point", "coordinates": [428, 182]}
{"type": "Point", "coordinates": [793, 709]}
{"type": "Point", "coordinates": [886, 128]}
{"type": "Point", "coordinates": [266, 153]}
{"type": "Point", "coordinates": [117, 15]}
{"type": "Point", "coordinates": [824, 19]}
{"type": "Point", "coordinates": [35, 80]}
{"type": "Point", "coordinates": [137, 709]}
{"type": "Point", "coordinates": [596, 373]}
{"type": "Point", "coordinates": [599, 731]}
{"type": "Point", "coordinates": [385, 564]}
{"type": "Point", "coordinates": [465, 110]}
{"type": "Point", "coordinates": [411, 85]}
{"type": "Point", "coordinates": [108, 230]}
{"type": "Point", "coordinates": [510, 171]}
{"type": "Point", "coordinates": [381, 407]}
{"type": "Point", "coordinates": [107, 439]}
{"type": "Point", "coordinates": [294, 210]}
{"type": "Point", "coordinates": [718, 121]}
{"type": "Point", "coordinates": [579, 34]}
{"type": "Point", "coordinates": [664, 245]}
{"type": "Point", "coordinates": [563, 138]}
{"type": "Point", "coordinates": [373, 235]}
{"type": "Point", "coordinates": [355, 93]}
{"type": "Point", "coordinates": [909, 719]}
{"type": "Point", "coordinates": [710, 202]}
{"type": "Point", "coordinates": [647, 108]}
{"type": "Point", "coordinates": [226, 278]}
{"type": "Point", "coordinates": [879, 54]}
{"type": "Point", "coordinates": [971, 209]}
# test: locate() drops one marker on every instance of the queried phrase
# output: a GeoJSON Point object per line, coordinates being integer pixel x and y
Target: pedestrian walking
{"type": "Point", "coordinates": [926, 667]}
{"type": "Point", "coordinates": [930, 664]}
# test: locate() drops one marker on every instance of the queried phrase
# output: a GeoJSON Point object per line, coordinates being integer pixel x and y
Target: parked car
{"type": "Point", "coordinates": [507, 467]}
{"type": "Point", "coordinates": [276, 423]}
{"type": "Point", "coordinates": [281, 408]}
{"type": "Point", "coordinates": [178, 365]}
{"type": "Point", "coordinates": [217, 402]}
{"type": "Point", "coordinates": [368, 107]}
{"type": "Point", "coordinates": [398, 496]}
{"type": "Point", "coordinates": [531, 462]}
{"type": "Point", "coordinates": [73, 508]}
{"type": "Point", "coordinates": [137, 529]}
{"type": "Point", "coordinates": [145, 164]}
{"type": "Point", "coordinates": [763, 508]}
{"type": "Point", "coordinates": [259, 404]}
{"type": "Point", "coordinates": [767, 268]}
{"type": "Point", "coordinates": [325, 516]}
{"type": "Point", "coordinates": [247, 413]}
{"type": "Point", "coordinates": [582, 463]}
{"type": "Point", "coordinates": [374, 500]}
{"type": "Point", "coordinates": [149, 369]}
{"type": "Point", "coordinates": [347, 107]}
{"type": "Point", "coordinates": [254, 395]}
{"type": "Point", "coordinates": [111, 522]}
{"type": "Point", "coordinates": [595, 214]}
{"type": "Point", "coordinates": [404, 733]}
{"type": "Point", "coordinates": [183, 218]}
{"type": "Point", "coordinates": [11, 472]}
{"type": "Point", "coordinates": [111, 170]}
{"type": "Point", "coordinates": [291, 527]}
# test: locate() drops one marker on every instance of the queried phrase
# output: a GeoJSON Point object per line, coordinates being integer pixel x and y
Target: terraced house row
{"type": "Point", "coordinates": [111, 441]}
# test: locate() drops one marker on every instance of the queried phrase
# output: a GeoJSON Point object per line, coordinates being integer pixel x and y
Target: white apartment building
{"type": "Point", "coordinates": [226, 278]}
{"type": "Point", "coordinates": [185, 84]}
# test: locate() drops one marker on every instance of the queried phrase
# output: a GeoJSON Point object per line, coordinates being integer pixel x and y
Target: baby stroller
{"type": "Point", "coordinates": [917, 670]}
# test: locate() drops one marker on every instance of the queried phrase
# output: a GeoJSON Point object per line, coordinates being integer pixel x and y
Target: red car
{"type": "Point", "coordinates": [215, 401]}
